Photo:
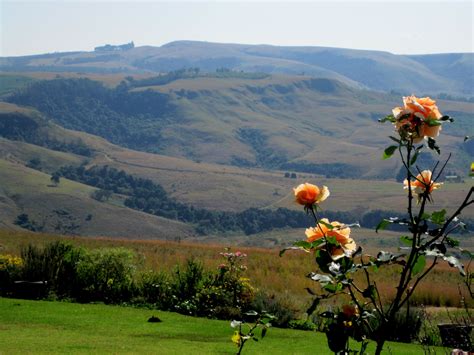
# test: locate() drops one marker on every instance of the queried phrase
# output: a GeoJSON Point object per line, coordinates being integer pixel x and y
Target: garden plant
{"type": "Point", "coordinates": [427, 240]}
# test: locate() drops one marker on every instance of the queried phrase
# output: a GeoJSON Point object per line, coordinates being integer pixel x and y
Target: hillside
{"type": "Point", "coordinates": [424, 74]}
{"type": "Point", "coordinates": [276, 122]}
{"type": "Point", "coordinates": [26, 188]}
{"type": "Point", "coordinates": [190, 153]}
{"type": "Point", "coordinates": [69, 208]}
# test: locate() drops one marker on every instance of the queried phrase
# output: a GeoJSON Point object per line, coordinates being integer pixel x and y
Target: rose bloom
{"type": "Point", "coordinates": [422, 182]}
{"type": "Point", "coordinates": [411, 119]}
{"type": "Point", "coordinates": [340, 232]}
{"type": "Point", "coordinates": [308, 194]}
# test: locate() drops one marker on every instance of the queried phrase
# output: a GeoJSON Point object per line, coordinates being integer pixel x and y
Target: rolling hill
{"type": "Point", "coordinates": [275, 122]}
{"type": "Point", "coordinates": [424, 74]}
{"type": "Point", "coordinates": [196, 138]}
{"type": "Point", "coordinates": [26, 186]}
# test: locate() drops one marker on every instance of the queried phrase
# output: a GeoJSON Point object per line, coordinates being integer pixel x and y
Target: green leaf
{"type": "Point", "coordinates": [433, 123]}
{"type": "Point", "coordinates": [406, 240]}
{"type": "Point", "coordinates": [288, 248]}
{"type": "Point", "coordinates": [419, 265]}
{"type": "Point", "coordinates": [332, 241]}
{"type": "Point", "coordinates": [413, 159]}
{"type": "Point", "coordinates": [452, 242]}
{"type": "Point", "coordinates": [438, 217]}
{"type": "Point", "coordinates": [395, 139]}
{"type": "Point", "coordinates": [382, 225]}
{"type": "Point", "coordinates": [388, 152]}
{"type": "Point", "coordinates": [329, 226]}
{"type": "Point", "coordinates": [333, 288]}
{"type": "Point", "coordinates": [389, 118]}
{"type": "Point", "coordinates": [302, 244]}
{"type": "Point", "coordinates": [425, 216]}
{"type": "Point", "coordinates": [323, 259]}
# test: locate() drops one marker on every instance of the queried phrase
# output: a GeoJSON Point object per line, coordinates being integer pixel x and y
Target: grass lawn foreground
{"type": "Point", "coordinates": [64, 328]}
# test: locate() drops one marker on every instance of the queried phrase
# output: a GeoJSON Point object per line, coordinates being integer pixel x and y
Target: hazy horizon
{"type": "Point", "coordinates": [399, 27]}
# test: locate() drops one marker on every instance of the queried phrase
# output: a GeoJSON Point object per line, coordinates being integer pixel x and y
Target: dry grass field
{"type": "Point", "coordinates": [282, 276]}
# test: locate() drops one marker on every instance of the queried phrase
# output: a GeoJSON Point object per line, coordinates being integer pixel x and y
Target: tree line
{"type": "Point", "coordinates": [149, 197]}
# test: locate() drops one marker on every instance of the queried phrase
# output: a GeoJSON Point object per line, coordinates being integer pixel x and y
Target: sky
{"type": "Point", "coordinates": [401, 26]}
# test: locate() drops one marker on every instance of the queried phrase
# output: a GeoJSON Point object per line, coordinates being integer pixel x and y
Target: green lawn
{"type": "Point", "coordinates": [64, 328]}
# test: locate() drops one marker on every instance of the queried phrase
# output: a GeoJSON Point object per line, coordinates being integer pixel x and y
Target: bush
{"type": "Point", "coordinates": [281, 309]}
{"type": "Point", "coordinates": [406, 326]}
{"type": "Point", "coordinates": [55, 264]}
{"type": "Point", "coordinates": [302, 324]}
{"type": "Point", "coordinates": [154, 289]}
{"type": "Point", "coordinates": [106, 275]}
{"type": "Point", "coordinates": [10, 271]}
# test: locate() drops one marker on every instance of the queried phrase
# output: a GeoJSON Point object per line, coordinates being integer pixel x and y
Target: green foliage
{"type": "Point", "coordinates": [106, 274]}
{"type": "Point", "coordinates": [20, 127]}
{"type": "Point", "coordinates": [247, 330]}
{"type": "Point", "coordinates": [405, 326]}
{"type": "Point", "coordinates": [279, 307]}
{"type": "Point", "coordinates": [388, 152]}
{"type": "Point", "coordinates": [10, 271]}
{"type": "Point", "coordinates": [302, 324]}
{"type": "Point", "coordinates": [23, 220]}
{"type": "Point", "coordinates": [125, 117]}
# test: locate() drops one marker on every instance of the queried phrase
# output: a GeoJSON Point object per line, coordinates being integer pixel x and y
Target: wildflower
{"type": "Point", "coordinates": [236, 338]}
{"type": "Point", "coordinates": [222, 266]}
{"type": "Point", "coordinates": [341, 232]}
{"type": "Point", "coordinates": [422, 183]}
{"type": "Point", "coordinates": [417, 119]}
{"type": "Point", "coordinates": [240, 254]}
{"type": "Point", "coordinates": [308, 194]}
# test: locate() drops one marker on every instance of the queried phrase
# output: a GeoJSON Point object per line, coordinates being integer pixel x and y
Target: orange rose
{"type": "Point", "coordinates": [307, 194]}
{"type": "Point", "coordinates": [421, 183]}
{"type": "Point", "coordinates": [339, 231]}
{"type": "Point", "coordinates": [413, 119]}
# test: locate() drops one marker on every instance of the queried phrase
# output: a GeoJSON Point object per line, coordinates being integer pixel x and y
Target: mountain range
{"type": "Point", "coordinates": [434, 74]}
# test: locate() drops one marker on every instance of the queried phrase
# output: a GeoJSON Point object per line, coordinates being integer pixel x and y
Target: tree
{"type": "Point", "coordinates": [55, 178]}
{"type": "Point", "coordinates": [101, 195]}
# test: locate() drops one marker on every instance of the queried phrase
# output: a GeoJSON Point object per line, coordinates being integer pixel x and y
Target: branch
{"type": "Point", "coordinates": [419, 278]}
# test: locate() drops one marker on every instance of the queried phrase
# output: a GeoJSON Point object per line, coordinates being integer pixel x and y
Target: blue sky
{"type": "Point", "coordinates": [404, 27]}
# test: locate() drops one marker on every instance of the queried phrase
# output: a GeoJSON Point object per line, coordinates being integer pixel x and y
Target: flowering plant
{"type": "Point", "coordinates": [427, 241]}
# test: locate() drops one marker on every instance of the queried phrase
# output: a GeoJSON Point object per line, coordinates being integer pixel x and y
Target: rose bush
{"type": "Point", "coordinates": [427, 240]}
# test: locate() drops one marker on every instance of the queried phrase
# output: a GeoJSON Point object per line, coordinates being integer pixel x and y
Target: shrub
{"type": "Point", "coordinates": [10, 271]}
{"type": "Point", "coordinates": [106, 275]}
{"type": "Point", "coordinates": [154, 289]}
{"type": "Point", "coordinates": [406, 325]}
{"type": "Point", "coordinates": [301, 324]}
{"type": "Point", "coordinates": [283, 311]}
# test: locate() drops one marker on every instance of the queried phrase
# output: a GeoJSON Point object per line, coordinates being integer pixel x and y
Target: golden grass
{"type": "Point", "coordinates": [282, 276]}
